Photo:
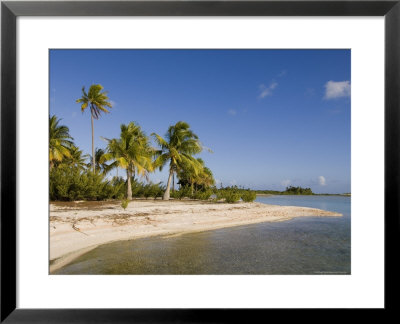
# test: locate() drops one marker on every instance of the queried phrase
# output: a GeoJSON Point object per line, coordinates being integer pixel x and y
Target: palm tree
{"type": "Point", "coordinates": [98, 101]}
{"type": "Point", "coordinates": [197, 176]}
{"type": "Point", "coordinates": [132, 152]}
{"type": "Point", "coordinates": [100, 164]}
{"type": "Point", "coordinates": [77, 158]}
{"type": "Point", "coordinates": [188, 174]}
{"type": "Point", "coordinates": [205, 179]}
{"type": "Point", "coordinates": [60, 141]}
{"type": "Point", "coordinates": [177, 148]}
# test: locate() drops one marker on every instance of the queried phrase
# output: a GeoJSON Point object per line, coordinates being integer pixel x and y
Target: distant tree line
{"type": "Point", "coordinates": [291, 190]}
{"type": "Point", "coordinates": [297, 191]}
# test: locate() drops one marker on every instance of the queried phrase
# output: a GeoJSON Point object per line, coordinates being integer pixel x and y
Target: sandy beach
{"type": "Point", "coordinates": [78, 227]}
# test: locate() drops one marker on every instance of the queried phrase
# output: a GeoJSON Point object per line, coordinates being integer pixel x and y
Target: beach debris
{"type": "Point", "coordinates": [78, 229]}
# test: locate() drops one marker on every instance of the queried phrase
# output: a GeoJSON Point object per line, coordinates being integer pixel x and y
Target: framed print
{"type": "Point", "coordinates": [202, 155]}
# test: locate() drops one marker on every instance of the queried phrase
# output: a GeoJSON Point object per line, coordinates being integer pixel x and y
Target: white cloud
{"type": "Point", "coordinates": [322, 181]}
{"type": "Point", "coordinates": [233, 182]}
{"type": "Point", "coordinates": [267, 91]}
{"type": "Point", "coordinates": [232, 112]}
{"type": "Point", "coordinates": [285, 183]}
{"type": "Point", "coordinates": [338, 89]}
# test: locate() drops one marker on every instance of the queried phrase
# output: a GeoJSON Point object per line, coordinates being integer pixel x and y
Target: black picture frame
{"type": "Point", "coordinates": [10, 10]}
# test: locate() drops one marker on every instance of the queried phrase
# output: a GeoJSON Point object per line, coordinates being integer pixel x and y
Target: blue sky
{"type": "Point", "coordinates": [272, 118]}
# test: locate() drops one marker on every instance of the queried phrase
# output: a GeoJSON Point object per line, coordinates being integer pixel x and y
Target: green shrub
{"type": "Point", "coordinates": [219, 194]}
{"type": "Point", "coordinates": [158, 190]}
{"type": "Point", "coordinates": [137, 188]}
{"type": "Point", "coordinates": [183, 192]}
{"type": "Point", "coordinates": [73, 183]}
{"type": "Point", "coordinates": [152, 190]}
{"type": "Point", "coordinates": [231, 196]}
{"type": "Point", "coordinates": [228, 194]}
{"type": "Point", "coordinates": [173, 194]}
{"type": "Point", "coordinates": [146, 191]}
{"type": "Point", "coordinates": [203, 195]}
{"type": "Point", "coordinates": [119, 187]}
{"type": "Point", "coordinates": [248, 195]}
{"type": "Point", "coordinates": [124, 203]}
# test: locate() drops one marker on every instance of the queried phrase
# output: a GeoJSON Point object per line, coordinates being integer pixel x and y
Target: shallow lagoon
{"type": "Point", "coordinates": [307, 245]}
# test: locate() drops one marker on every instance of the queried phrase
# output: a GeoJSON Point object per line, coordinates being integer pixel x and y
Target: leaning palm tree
{"type": "Point", "coordinates": [60, 141]}
{"type": "Point", "coordinates": [132, 152]}
{"type": "Point", "coordinates": [98, 101]}
{"type": "Point", "coordinates": [177, 149]}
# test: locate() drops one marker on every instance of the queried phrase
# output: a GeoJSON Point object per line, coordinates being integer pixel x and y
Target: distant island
{"type": "Point", "coordinates": [291, 190]}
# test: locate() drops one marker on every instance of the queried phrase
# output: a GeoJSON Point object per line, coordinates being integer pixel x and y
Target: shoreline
{"type": "Point", "coordinates": [78, 227]}
{"type": "Point", "coordinates": [314, 194]}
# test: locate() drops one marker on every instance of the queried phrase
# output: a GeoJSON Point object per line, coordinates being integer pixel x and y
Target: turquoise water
{"type": "Point", "coordinates": [306, 245]}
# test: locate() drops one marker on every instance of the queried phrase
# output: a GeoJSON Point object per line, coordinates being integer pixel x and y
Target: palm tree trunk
{"type": "Point", "coordinates": [173, 182]}
{"type": "Point", "coordinates": [129, 185]}
{"type": "Point", "coordinates": [166, 193]}
{"type": "Point", "coordinates": [93, 158]}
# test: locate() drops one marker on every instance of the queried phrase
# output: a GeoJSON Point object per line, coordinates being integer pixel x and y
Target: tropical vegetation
{"type": "Point", "coordinates": [72, 176]}
{"type": "Point", "coordinates": [177, 150]}
{"type": "Point", "coordinates": [288, 191]}
{"type": "Point", "coordinates": [60, 142]}
{"type": "Point", "coordinates": [233, 194]}
{"type": "Point", "coordinates": [100, 164]}
{"type": "Point", "coordinates": [200, 178]}
{"type": "Point", "coordinates": [131, 152]}
{"type": "Point", "coordinates": [75, 175]}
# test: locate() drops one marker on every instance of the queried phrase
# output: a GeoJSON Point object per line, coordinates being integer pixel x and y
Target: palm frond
{"type": "Point", "coordinates": [60, 141]}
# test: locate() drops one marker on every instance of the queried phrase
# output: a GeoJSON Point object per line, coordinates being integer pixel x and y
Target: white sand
{"type": "Point", "coordinates": [78, 227]}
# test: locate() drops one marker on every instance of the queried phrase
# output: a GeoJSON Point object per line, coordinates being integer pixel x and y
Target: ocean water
{"type": "Point", "coordinates": [305, 245]}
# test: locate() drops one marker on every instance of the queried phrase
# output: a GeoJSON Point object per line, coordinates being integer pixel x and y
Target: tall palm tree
{"type": "Point", "coordinates": [132, 152]}
{"type": "Point", "coordinates": [178, 148]}
{"type": "Point", "coordinates": [60, 141]}
{"type": "Point", "coordinates": [97, 100]}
